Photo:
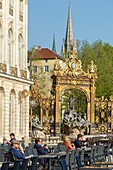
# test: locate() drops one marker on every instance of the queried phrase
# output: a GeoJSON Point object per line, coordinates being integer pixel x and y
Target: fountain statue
{"type": "Point", "coordinates": [71, 103]}
{"type": "Point", "coordinates": [38, 128]}
{"type": "Point", "coordinates": [75, 120]}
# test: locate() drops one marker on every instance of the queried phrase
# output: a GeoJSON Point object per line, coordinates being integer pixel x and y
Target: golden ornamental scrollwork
{"type": "Point", "coordinates": [92, 73]}
{"type": "Point", "coordinates": [58, 88]}
{"type": "Point", "coordinates": [102, 115]}
{"type": "Point", "coordinates": [73, 67]}
{"type": "Point", "coordinates": [97, 119]}
{"type": "Point", "coordinates": [57, 68]}
{"type": "Point", "coordinates": [102, 128]}
{"type": "Point", "coordinates": [92, 68]}
{"type": "Point", "coordinates": [109, 119]}
{"type": "Point", "coordinates": [111, 98]}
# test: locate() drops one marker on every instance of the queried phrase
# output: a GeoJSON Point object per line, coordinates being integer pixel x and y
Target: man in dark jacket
{"type": "Point", "coordinates": [40, 150]}
{"type": "Point", "coordinates": [39, 147]}
{"type": "Point", "coordinates": [17, 150]}
{"type": "Point", "coordinates": [78, 141]}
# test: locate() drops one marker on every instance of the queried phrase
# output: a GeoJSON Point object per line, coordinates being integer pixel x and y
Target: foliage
{"type": "Point", "coordinates": [102, 55]}
{"type": "Point", "coordinates": [79, 100]}
{"type": "Point", "coordinates": [43, 86]}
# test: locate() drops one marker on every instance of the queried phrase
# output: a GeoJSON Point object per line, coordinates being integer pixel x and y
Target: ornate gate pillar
{"type": "Point", "coordinates": [88, 111]}
{"type": "Point", "coordinates": [92, 120]}
{"type": "Point", "coordinates": [57, 112]}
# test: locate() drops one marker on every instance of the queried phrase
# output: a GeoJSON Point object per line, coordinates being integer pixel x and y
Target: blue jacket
{"type": "Point", "coordinates": [40, 149]}
{"type": "Point", "coordinates": [17, 153]}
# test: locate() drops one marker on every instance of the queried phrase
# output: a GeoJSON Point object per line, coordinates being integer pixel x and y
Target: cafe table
{"type": "Point", "coordinates": [102, 163]}
{"type": "Point", "coordinates": [95, 168]}
{"type": "Point", "coordinates": [51, 156]}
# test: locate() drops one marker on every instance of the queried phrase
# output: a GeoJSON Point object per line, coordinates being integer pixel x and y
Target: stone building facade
{"type": "Point", "coordinates": [14, 74]}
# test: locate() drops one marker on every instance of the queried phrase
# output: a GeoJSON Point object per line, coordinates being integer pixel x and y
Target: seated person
{"type": "Point", "coordinates": [17, 150]}
{"type": "Point", "coordinates": [78, 141]}
{"type": "Point", "coordinates": [39, 147]}
{"type": "Point", "coordinates": [12, 137]}
{"type": "Point", "coordinates": [40, 150]}
{"type": "Point", "coordinates": [68, 144]}
{"type": "Point", "coordinates": [23, 143]}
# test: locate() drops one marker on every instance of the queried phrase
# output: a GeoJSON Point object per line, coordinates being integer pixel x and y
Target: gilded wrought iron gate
{"type": "Point", "coordinates": [103, 112]}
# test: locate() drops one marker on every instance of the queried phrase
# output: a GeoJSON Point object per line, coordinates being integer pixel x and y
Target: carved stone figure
{"type": "Point", "coordinates": [71, 103]}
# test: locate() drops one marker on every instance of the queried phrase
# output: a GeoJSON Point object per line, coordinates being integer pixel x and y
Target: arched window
{"type": "Point", "coordinates": [10, 2]}
{"type": "Point", "coordinates": [20, 111]}
{"type": "Point", "coordinates": [21, 5]}
{"type": "Point", "coordinates": [10, 47]}
{"type": "Point", "coordinates": [21, 10]}
{"type": "Point", "coordinates": [2, 97]}
{"type": "Point", "coordinates": [0, 44]}
{"type": "Point", "coordinates": [20, 52]}
{"type": "Point", "coordinates": [11, 7]}
{"type": "Point", "coordinates": [11, 111]}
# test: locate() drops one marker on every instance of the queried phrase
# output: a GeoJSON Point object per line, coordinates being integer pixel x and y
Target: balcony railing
{"type": "Point", "coordinates": [13, 71]}
{"type": "Point", "coordinates": [3, 68]}
{"type": "Point", "coordinates": [23, 74]}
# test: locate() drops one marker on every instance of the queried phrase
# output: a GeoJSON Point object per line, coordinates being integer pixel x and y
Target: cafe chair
{"type": "Point", "coordinates": [107, 153]}
{"type": "Point", "coordinates": [2, 152]}
{"type": "Point", "coordinates": [61, 165]}
{"type": "Point", "coordinates": [15, 165]}
{"type": "Point", "coordinates": [34, 165]}
{"type": "Point", "coordinates": [72, 163]}
{"type": "Point", "coordinates": [5, 166]}
{"type": "Point", "coordinates": [11, 157]}
{"type": "Point", "coordinates": [35, 152]}
{"type": "Point", "coordinates": [24, 165]}
{"type": "Point", "coordinates": [67, 159]}
{"type": "Point", "coordinates": [61, 147]}
{"type": "Point", "coordinates": [82, 156]}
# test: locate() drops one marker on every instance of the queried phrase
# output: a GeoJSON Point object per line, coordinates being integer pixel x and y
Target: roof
{"type": "Point", "coordinates": [43, 53]}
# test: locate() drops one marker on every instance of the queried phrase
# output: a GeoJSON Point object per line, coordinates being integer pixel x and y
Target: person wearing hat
{"type": "Point", "coordinates": [17, 150]}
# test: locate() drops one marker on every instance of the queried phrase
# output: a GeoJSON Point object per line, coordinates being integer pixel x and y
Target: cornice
{"type": "Point", "coordinates": [13, 78]}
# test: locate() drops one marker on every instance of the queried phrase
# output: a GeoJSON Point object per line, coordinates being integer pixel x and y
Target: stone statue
{"type": "Point", "coordinates": [71, 103]}
{"type": "Point", "coordinates": [35, 121]}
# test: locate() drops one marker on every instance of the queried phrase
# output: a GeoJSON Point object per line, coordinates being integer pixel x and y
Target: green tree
{"type": "Point", "coordinates": [102, 54]}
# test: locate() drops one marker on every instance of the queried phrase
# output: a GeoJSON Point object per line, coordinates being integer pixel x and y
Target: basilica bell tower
{"type": "Point", "coordinates": [69, 43]}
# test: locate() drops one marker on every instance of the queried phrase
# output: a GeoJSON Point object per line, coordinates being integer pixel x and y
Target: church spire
{"type": "Point", "coordinates": [70, 43]}
{"type": "Point", "coordinates": [54, 44]}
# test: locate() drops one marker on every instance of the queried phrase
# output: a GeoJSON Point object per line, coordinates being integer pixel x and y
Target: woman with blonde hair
{"type": "Point", "coordinates": [68, 144]}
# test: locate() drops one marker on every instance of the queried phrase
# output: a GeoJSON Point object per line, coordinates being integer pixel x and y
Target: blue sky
{"type": "Point", "coordinates": [91, 19]}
